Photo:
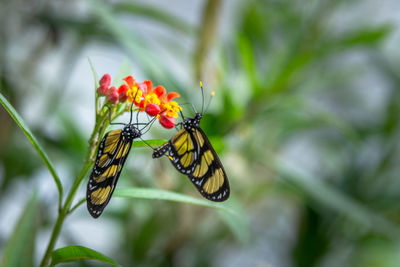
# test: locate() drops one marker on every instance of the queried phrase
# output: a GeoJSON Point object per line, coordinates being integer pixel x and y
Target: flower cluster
{"type": "Point", "coordinates": [154, 101]}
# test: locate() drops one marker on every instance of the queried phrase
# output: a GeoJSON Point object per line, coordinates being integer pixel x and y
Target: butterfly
{"type": "Point", "coordinates": [192, 154]}
{"type": "Point", "coordinates": [111, 156]}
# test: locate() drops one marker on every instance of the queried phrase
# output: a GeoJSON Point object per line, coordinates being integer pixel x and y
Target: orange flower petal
{"type": "Point", "coordinates": [130, 81]}
{"type": "Point", "coordinates": [142, 87]}
{"type": "Point", "coordinates": [149, 86]}
{"type": "Point", "coordinates": [159, 90]}
{"type": "Point", "coordinates": [172, 95]}
{"type": "Point", "coordinates": [141, 104]}
{"type": "Point", "coordinates": [123, 88]}
{"type": "Point", "coordinates": [122, 92]}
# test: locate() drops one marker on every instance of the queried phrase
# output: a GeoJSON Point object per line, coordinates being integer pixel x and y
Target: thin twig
{"type": "Point", "coordinates": [80, 202]}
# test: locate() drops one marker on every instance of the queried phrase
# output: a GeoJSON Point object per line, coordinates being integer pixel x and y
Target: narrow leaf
{"type": "Point", "coordinates": [367, 36]}
{"type": "Point", "coordinates": [149, 193]}
{"type": "Point", "coordinates": [154, 142]}
{"type": "Point", "coordinates": [19, 249]}
{"type": "Point", "coordinates": [78, 253]}
{"type": "Point", "coordinates": [95, 75]}
{"type": "Point", "coordinates": [20, 122]}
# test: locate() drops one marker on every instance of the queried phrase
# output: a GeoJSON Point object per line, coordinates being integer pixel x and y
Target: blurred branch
{"type": "Point", "coordinates": [207, 35]}
{"type": "Point", "coordinates": [155, 15]}
{"type": "Point", "coordinates": [338, 201]}
{"type": "Point", "coordinates": [133, 44]}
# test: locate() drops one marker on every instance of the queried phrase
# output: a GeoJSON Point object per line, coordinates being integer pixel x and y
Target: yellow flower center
{"type": "Point", "coordinates": [132, 92]}
{"type": "Point", "coordinates": [151, 98]}
{"type": "Point", "coordinates": [172, 108]}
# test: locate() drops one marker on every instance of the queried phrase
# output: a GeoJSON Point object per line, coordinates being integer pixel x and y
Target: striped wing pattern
{"type": "Point", "coordinates": [111, 156]}
{"type": "Point", "coordinates": [192, 154]}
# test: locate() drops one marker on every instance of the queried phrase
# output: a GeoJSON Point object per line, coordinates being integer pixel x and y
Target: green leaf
{"type": "Point", "coordinates": [20, 122]}
{"type": "Point", "coordinates": [78, 253]}
{"type": "Point", "coordinates": [19, 248]}
{"type": "Point", "coordinates": [95, 75]}
{"type": "Point", "coordinates": [239, 225]}
{"type": "Point", "coordinates": [154, 142]}
{"type": "Point", "coordinates": [366, 36]}
{"type": "Point", "coordinates": [149, 193]}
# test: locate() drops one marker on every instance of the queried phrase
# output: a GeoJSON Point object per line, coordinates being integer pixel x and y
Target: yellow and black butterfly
{"type": "Point", "coordinates": [192, 154]}
{"type": "Point", "coordinates": [111, 156]}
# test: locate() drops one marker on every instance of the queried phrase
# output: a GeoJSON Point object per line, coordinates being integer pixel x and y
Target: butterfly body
{"type": "Point", "coordinates": [192, 154]}
{"type": "Point", "coordinates": [111, 156]}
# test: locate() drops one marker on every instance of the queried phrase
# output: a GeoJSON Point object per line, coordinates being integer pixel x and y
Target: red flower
{"type": "Point", "coordinates": [122, 92]}
{"type": "Point", "coordinates": [154, 101]}
{"type": "Point", "coordinates": [151, 95]}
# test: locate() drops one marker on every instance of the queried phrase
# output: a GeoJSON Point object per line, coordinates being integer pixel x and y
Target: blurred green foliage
{"type": "Point", "coordinates": [305, 119]}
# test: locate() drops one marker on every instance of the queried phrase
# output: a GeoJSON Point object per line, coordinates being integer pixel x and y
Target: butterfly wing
{"type": "Point", "coordinates": [192, 154]}
{"type": "Point", "coordinates": [111, 156]}
{"type": "Point", "coordinates": [209, 175]}
{"type": "Point", "coordinates": [183, 151]}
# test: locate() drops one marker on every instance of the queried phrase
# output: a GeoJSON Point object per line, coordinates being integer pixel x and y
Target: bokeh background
{"type": "Point", "coordinates": [306, 120]}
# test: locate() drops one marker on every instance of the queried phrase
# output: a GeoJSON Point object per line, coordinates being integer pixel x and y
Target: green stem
{"type": "Point", "coordinates": [64, 211]}
{"type": "Point", "coordinates": [99, 129]}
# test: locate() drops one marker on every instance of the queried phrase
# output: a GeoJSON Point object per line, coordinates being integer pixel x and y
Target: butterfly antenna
{"type": "Point", "coordinates": [183, 117]}
{"type": "Point", "coordinates": [152, 121]}
{"type": "Point", "coordinates": [149, 124]}
{"type": "Point", "coordinates": [137, 116]}
{"type": "Point", "coordinates": [133, 103]}
{"type": "Point", "coordinates": [202, 97]}
{"type": "Point", "coordinates": [209, 101]}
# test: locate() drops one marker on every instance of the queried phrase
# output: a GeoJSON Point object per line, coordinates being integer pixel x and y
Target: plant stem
{"type": "Point", "coordinates": [64, 211]}
{"type": "Point", "coordinates": [98, 130]}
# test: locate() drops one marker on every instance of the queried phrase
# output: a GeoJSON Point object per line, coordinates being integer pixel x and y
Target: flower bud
{"type": "Point", "coordinates": [152, 109]}
{"type": "Point", "coordinates": [102, 90]}
{"type": "Point", "coordinates": [167, 122]}
{"type": "Point", "coordinates": [105, 80]}
{"type": "Point", "coordinates": [112, 95]}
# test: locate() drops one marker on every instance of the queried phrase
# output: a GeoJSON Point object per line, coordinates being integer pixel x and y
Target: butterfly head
{"type": "Point", "coordinates": [131, 132]}
{"type": "Point", "coordinates": [194, 122]}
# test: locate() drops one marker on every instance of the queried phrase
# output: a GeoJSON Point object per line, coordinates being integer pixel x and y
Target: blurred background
{"type": "Point", "coordinates": [306, 120]}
